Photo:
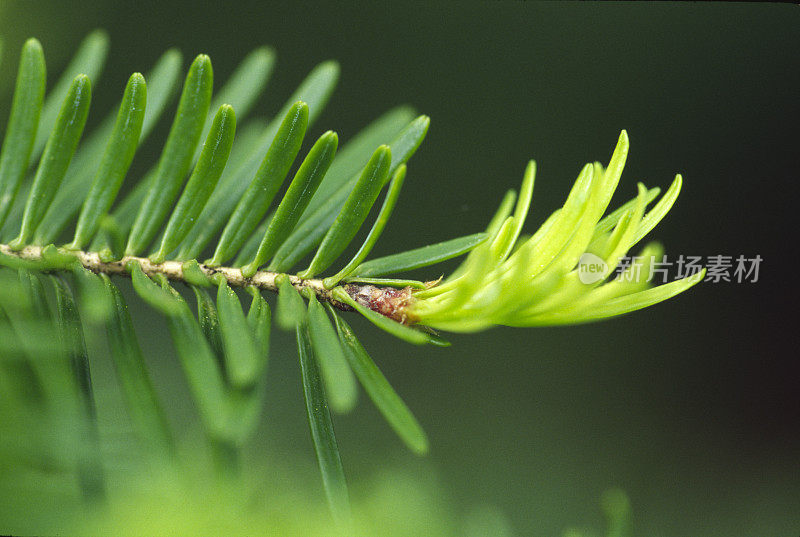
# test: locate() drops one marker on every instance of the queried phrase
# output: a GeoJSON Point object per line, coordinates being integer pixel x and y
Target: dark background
{"type": "Point", "coordinates": [690, 406]}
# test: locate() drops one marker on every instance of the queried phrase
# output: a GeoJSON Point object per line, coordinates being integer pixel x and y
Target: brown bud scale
{"type": "Point", "coordinates": [387, 301]}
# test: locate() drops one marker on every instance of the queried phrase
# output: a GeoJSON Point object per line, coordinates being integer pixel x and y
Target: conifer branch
{"type": "Point", "coordinates": [174, 271]}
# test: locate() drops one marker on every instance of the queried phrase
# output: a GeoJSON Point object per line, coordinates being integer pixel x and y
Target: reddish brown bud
{"type": "Point", "coordinates": [388, 301]}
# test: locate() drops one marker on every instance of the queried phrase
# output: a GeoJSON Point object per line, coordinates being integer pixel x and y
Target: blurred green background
{"type": "Point", "coordinates": [690, 406]}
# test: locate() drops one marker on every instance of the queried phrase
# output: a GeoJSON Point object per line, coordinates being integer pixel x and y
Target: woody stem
{"type": "Point", "coordinates": [54, 259]}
